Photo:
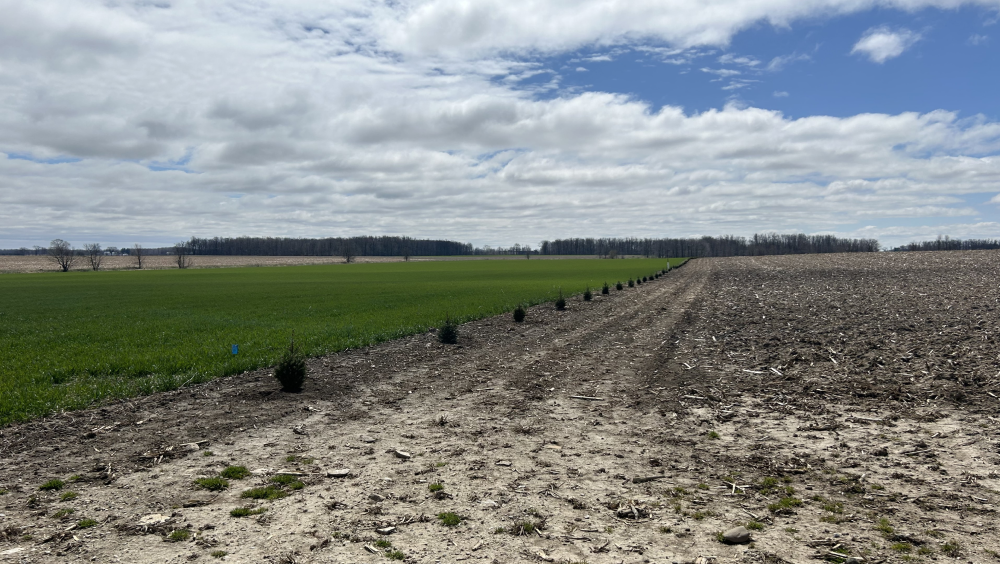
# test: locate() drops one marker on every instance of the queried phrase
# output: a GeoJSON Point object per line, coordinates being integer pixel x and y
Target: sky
{"type": "Point", "coordinates": [497, 122]}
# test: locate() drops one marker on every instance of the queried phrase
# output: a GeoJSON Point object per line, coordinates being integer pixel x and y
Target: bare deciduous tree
{"type": "Point", "coordinates": [62, 253]}
{"type": "Point", "coordinates": [182, 253]}
{"type": "Point", "coordinates": [137, 253]}
{"type": "Point", "coordinates": [347, 252]}
{"type": "Point", "coordinates": [95, 254]}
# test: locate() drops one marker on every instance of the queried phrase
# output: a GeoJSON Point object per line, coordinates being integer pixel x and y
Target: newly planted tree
{"type": "Point", "coordinates": [448, 332]}
{"type": "Point", "coordinates": [519, 313]}
{"type": "Point", "coordinates": [605, 289]}
{"type": "Point", "coordinates": [291, 369]}
{"type": "Point", "coordinates": [587, 296]}
{"type": "Point", "coordinates": [561, 301]}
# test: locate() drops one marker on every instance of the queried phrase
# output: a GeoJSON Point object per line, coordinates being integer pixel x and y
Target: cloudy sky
{"type": "Point", "coordinates": [497, 121]}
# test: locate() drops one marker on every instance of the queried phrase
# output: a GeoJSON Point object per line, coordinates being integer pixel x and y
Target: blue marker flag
{"type": "Point", "coordinates": [236, 349]}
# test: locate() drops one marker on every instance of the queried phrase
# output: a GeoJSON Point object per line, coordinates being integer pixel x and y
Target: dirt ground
{"type": "Point", "coordinates": [837, 405]}
{"type": "Point", "coordinates": [10, 264]}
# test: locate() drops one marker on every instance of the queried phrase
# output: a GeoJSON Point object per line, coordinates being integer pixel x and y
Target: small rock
{"type": "Point", "coordinates": [739, 535]}
{"type": "Point", "coordinates": [402, 454]}
{"type": "Point", "coordinates": [299, 430]}
{"type": "Point", "coordinates": [545, 557]}
{"type": "Point", "coordinates": [367, 439]}
{"type": "Point", "coordinates": [854, 560]}
{"type": "Point", "coordinates": [339, 473]}
{"type": "Point", "coordinates": [553, 447]}
{"type": "Point", "coordinates": [503, 463]}
{"type": "Point", "coordinates": [489, 504]}
{"type": "Point", "coordinates": [376, 498]}
{"type": "Point", "coordinates": [153, 519]}
{"type": "Point", "coordinates": [386, 530]}
{"type": "Point", "coordinates": [882, 451]}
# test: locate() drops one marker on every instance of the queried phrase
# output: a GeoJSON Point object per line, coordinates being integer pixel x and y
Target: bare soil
{"type": "Point", "coordinates": [860, 389]}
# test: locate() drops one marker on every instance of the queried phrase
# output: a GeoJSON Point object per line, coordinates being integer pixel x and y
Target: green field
{"type": "Point", "coordinates": [68, 340]}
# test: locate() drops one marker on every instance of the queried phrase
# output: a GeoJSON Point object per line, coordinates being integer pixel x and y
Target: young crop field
{"type": "Point", "coordinates": [70, 339]}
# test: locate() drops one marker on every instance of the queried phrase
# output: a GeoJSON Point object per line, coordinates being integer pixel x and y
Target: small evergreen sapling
{"type": "Point", "coordinates": [291, 369]}
{"type": "Point", "coordinates": [519, 313]}
{"type": "Point", "coordinates": [587, 296]}
{"type": "Point", "coordinates": [448, 333]}
{"type": "Point", "coordinates": [631, 283]}
{"type": "Point", "coordinates": [605, 289]}
{"type": "Point", "coordinates": [561, 302]}
{"type": "Point", "coordinates": [618, 286]}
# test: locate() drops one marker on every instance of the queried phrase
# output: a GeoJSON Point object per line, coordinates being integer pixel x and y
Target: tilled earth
{"type": "Point", "coordinates": [836, 405]}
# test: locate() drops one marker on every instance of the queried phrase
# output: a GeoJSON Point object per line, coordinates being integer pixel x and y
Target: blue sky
{"type": "Point", "coordinates": [498, 122]}
{"type": "Point", "coordinates": [807, 68]}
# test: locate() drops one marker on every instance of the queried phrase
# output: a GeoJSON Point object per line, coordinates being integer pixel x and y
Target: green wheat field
{"type": "Point", "coordinates": [70, 340]}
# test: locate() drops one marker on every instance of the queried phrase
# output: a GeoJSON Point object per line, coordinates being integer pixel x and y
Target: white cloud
{"type": "Point", "coordinates": [977, 39]}
{"type": "Point", "coordinates": [722, 72]}
{"type": "Point", "coordinates": [780, 62]}
{"type": "Point", "coordinates": [307, 119]}
{"type": "Point", "coordinates": [780, 94]}
{"type": "Point", "coordinates": [731, 59]}
{"type": "Point", "coordinates": [881, 44]}
{"type": "Point", "coordinates": [581, 69]}
{"type": "Point", "coordinates": [487, 26]}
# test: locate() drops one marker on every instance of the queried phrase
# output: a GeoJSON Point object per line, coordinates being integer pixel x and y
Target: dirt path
{"type": "Point", "coordinates": [718, 406]}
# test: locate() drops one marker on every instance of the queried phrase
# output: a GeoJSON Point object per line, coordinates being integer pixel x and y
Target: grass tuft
{"type": "Point", "coordinates": [235, 472]}
{"type": "Point", "coordinates": [267, 492]}
{"type": "Point", "coordinates": [449, 519]}
{"type": "Point", "coordinates": [52, 485]}
{"type": "Point", "coordinates": [212, 484]}
{"type": "Point", "coordinates": [68, 496]}
{"type": "Point", "coordinates": [179, 535]}
{"type": "Point", "coordinates": [246, 511]}
{"type": "Point", "coordinates": [435, 487]}
{"type": "Point", "coordinates": [784, 505]}
{"type": "Point", "coordinates": [86, 523]}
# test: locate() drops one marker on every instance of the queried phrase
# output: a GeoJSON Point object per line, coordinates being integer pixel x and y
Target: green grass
{"type": "Point", "coordinates": [449, 519]}
{"type": "Point", "coordinates": [212, 484]}
{"type": "Point", "coordinates": [68, 340]}
{"type": "Point", "coordinates": [435, 487]}
{"type": "Point", "coordinates": [269, 492]}
{"type": "Point", "coordinates": [86, 523]}
{"type": "Point", "coordinates": [289, 481]}
{"type": "Point", "coordinates": [396, 555]}
{"type": "Point", "coordinates": [382, 543]}
{"type": "Point", "coordinates": [246, 511]}
{"type": "Point", "coordinates": [217, 553]}
{"type": "Point", "coordinates": [68, 496]}
{"type": "Point", "coordinates": [179, 535]}
{"type": "Point", "coordinates": [784, 505]}
{"type": "Point", "coordinates": [235, 472]}
{"type": "Point", "coordinates": [52, 485]}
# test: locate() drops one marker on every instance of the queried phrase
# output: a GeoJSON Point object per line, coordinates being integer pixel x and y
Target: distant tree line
{"type": "Point", "coordinates": [948, 244]}
{"type": "Point", "coordinates": [368, 246]}
{"type": "Point", "coordinates": [724, 246]}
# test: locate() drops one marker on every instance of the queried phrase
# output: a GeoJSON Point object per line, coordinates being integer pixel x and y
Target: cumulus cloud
{"type": "Point", "coordinates": [881, 43]}
{"type": "Point", "coordinates": [314, 119]}
{"type": "Point", "coordinates": [454, 26]}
